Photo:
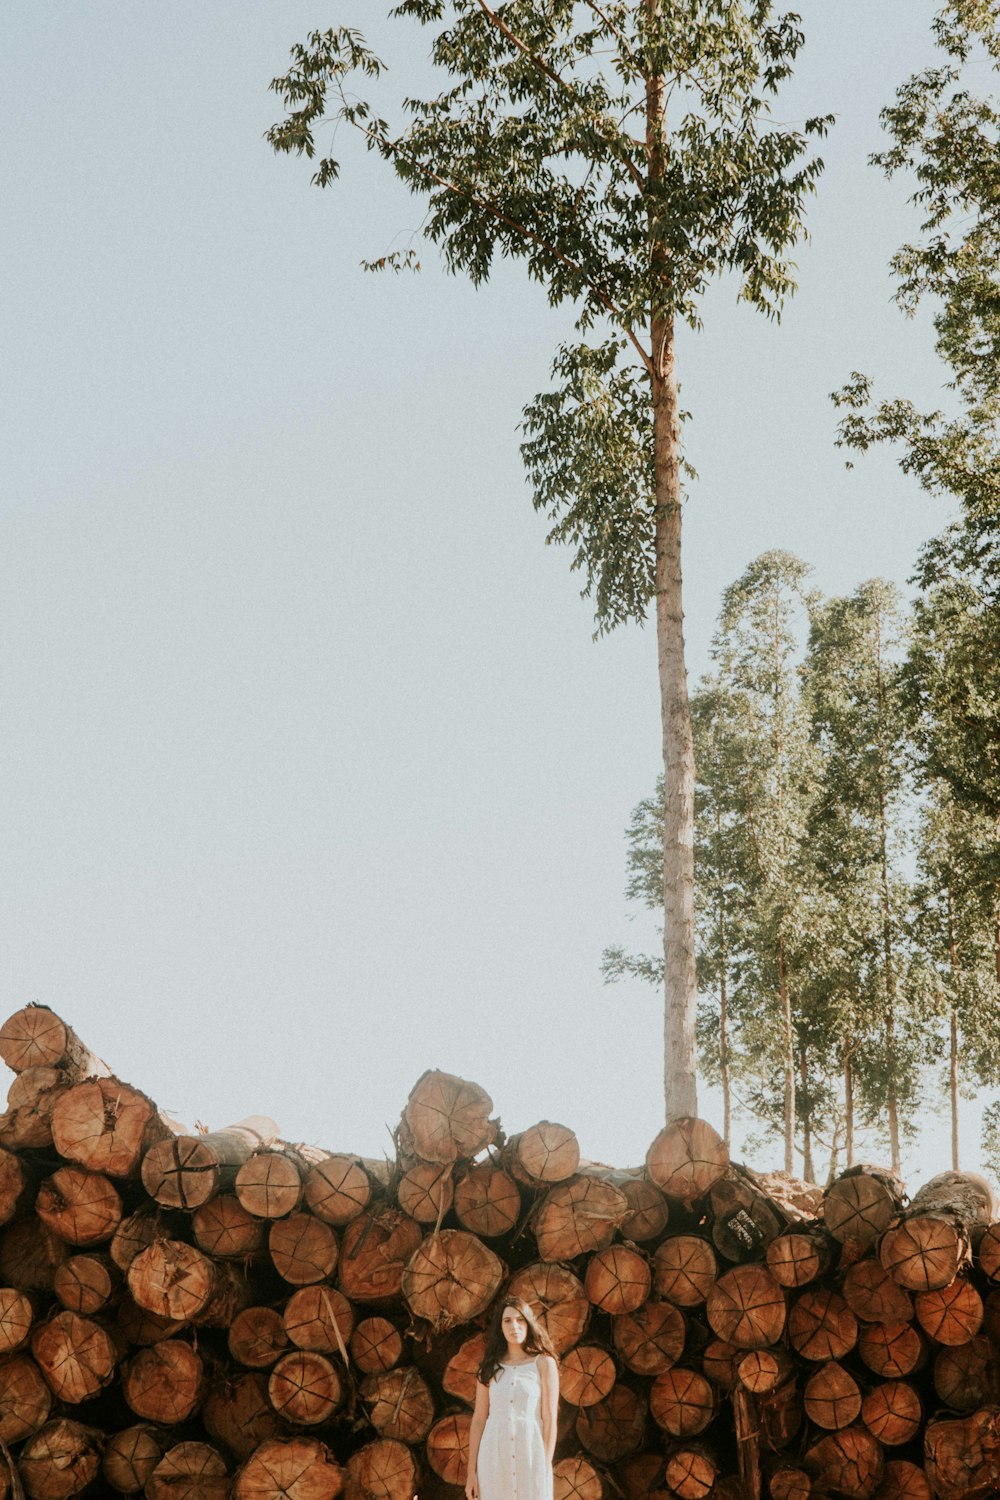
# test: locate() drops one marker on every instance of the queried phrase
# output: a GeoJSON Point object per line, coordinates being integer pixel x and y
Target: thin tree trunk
{"type": "Point", "coordinates": [807, 1151]}
{"type": "Point", "coordinates": [789, 1062]}
{"type": "Point", "coordinates": [680, 985]}
{"type": "Point", "coordinates": [892, 1100]}
{"type": "Point", "coordinates": [953, 1033]}
{"type": "Point", "coordinates": [848, 1102]}
{"type": "Point", "coordinates": [727, 1104]}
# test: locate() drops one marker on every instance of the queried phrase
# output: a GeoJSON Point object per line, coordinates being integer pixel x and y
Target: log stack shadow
{"type": "Point", "coordinates": [231, 1316]}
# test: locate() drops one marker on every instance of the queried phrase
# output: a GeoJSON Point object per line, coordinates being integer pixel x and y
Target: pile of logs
{"type": "Point", "coordinates": [230, 1316]}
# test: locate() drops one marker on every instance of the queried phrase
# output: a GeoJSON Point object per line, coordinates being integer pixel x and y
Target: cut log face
{"type": "Point", "coordinates": [831, 1397]}
{"type": "Point", "coordinates": [873, 1296]}
{"type": "Point", "coordinates": [902, 1480]}
{"type": "Point", "coordinates": [338, 1189]}
{"type": "Point", "coordinates": [891, 1350]}
{"type": "Point", "coordinates": [223, 1229]}
{"type": "Point", "coordinates": [746, 1307]}
{"type": "Point", "coordinates": [189, 1471]}
{"type": "Point", "coordinates": [16, 1316]}
{"type": "Point", "coordinates": [861, 1204]}
{"type": "Point", "coordinates": [451, 1278]}
{"type": "Point", "coordinates": [257, 1337]}
{"type": "Point", "coordinates": [85, 1283]}
{"type": "Point", "coordinates": [848, 1462]}
{"type": "Point", "coordinates": [686, 1158]}
{"type": "Point", "coordinates": [238, 1414]}
{"type": "Point", "coordinates": [25, 1399]}
{"type": "Point", "coordinates": [133, 1235]}
{"type": "Point", "coordinates": [821, 1326]}
{"type": "Point", "coordinates": [164, 1382]}
{"type": "Point", "coordinates": [81, 1207]}
{"type": "Point", "coordinates": [375, 1248]}
{"type": "Point", "coordinates": [130, 1456]}
{"type": "Point", "coordinates": [797, 1258]}
{"type": "Point", "coordinates": [685, 1269]}
{"type": "Point", "coordinates": [399, 1404]}
{"type": "Point", "coordinates": [303, 1249]}
{"type": "Point", "coordinates": [377, 1345]}
{"type": "Point", "coordinates": [577, 1217]}
{"type": "Point", "coordinates": [691, 1474]}
{"type": "Point", "coordinates": [988, 1252]}
{"type": "Point", "coordinates": [487, 1201]}
{"type": "Point", "coordinates": [426, 1192]}
{"type": "Point", "coordinates": [298, 1468]}
{"type": "Point", "coordinates": [35, 1037]}
{"type": "Point", "coordinates": [925, 1251]}
{"type": "Point", "coordinates": [76, 1356]}
{"type": "Point", "coordinates": [576, 1479]}
{"type": "Point", "coordinates": [557, 1299]}
{"type": "Point", "coordinates": [764, 1370]}
{"type": "Point", "coordinates": [648, 1210]}
{"type": "Point", "coordinates": [744, 1219]}
{"type": "Point", "coordinates": [270, 1185]}
{"type": "Point", "coordinates": [383, 1470]}
{"type": "Point", "coordinates": [966, 1377]}
{"type": "Point", "coordinates": [447, 1119]}
{"type": "Point", "coordinates": [320, 1318]}
{"type": "Point", "coordinates": [789, 1483]}
{"type": "Point", "coordinates": [618, 1279]}
{"type": "Point", "coordinates": [892, 1413]}
{"type": "Point", "coordinates": [953, 1315]}
{"type": "Point", "coordinates": [682, 1402]}
{"type": "Point", "coordinates": [720, 1362]}
{"type": "Point", "coordinates": [613, 1428]}
{"type": "Point", "coordinates": [172, 1280]}
{"type": "Point", "coordinates": [651, 1339]}
{"type": "Point", "coordinates": [641, 1477]}
{"type": "Point", "coordinates": [462, 1370]}
{"type": "Point", "coordinates": [962, 1457]}
{"type": "Point", "coordinates": [586, 1375]}
{"type": "Point", "coordinates": [547, 1152]}
{"type": "Point", "coordinates": [60, 1461]}
{"type": "Point", "coordinates": [447, 1447]}
{"type": "Point", "coordinates": [304, 1388]}
{"type": "Point", "coordinates": [190, 1169]}
{"type": "Point", "coordinates": [105, 1125]}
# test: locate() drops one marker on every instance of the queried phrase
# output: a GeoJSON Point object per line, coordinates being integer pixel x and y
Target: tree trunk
{"type": "Point", "coordinates": [788, 1028]}
{"type": "Point", "coordinates": [400, 1404]}
{"type": "Point", "coordinates": [257, 1337]}
{"type": "Point", "coordinates": [447, 1447]}
{"type": "Point", "coordinates": [76, 1355]}
{"type": "Point", "coordinates": [376, 1345]}
{"type": "Point", "coordinates": [451, 1278]}
{"type": "Point", "coordinates": [685, 1269]}
{"type": "Point", "coordinates": [61, 1460]}
{"type": "Point", "coordinates": [164, 1383]}
{"type": "Point", "coordinates": [821, 1326]}
{"type": "Point", "coordinates": [557, 1298]}
{"type": "Point", "coordinates": [189, 1170]}
{"type": "Point", "coordinates": [546, 1152]}
{"type": "Point", "coordinates": [746, 1307]}
{"type": "Point", "coordinates": [618, 1279]}
{"type": "Point", "coordinates": [808, 1170]}
{"type": "Point", "coordinates": [385, 1468]}
{"type": "Point", "coordinates": [237, 1413]}
{"type": "Point", "coordinates": [487, 1201]}
{"type": "Point", "coordinates": [576, 1479]}
{"type": "Point", "coordinates": [679, 979]}
{"type": "Point", "coordinates": [303, 1249]}
{"type": "Point", "coordinates": [682, 1402]}
{"type": "Point", "coordinates": [832, 1397]}
{"type": "Point", "coordinates": [321, 1319]}
{"type": "Point", "coordinates": [577, 1217]}
{"type": "Point", "coordinates": [849, 1101]}
{"type": "Point", "coordinates": [303, 1468]}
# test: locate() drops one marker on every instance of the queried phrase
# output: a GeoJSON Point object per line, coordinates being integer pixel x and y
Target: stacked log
{"type": "Point", "coordinates": [229, 1316]}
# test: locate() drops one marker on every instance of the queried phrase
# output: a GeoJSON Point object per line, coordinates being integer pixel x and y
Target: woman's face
{"type": "Point", "coordinates": [513, 1326]}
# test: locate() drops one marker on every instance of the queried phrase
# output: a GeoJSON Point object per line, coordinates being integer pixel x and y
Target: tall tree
{"type": "Point", "coordinates": [623, 151]}
{"type": "Point", "coordinates": [857, 825]}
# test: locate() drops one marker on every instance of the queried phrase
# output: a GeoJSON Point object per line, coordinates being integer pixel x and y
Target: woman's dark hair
{"type": "Point", "coordinates": [536, 1342]}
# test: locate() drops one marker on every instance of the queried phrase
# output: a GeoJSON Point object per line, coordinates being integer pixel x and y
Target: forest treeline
{"type": "Point", "coordinates": [848, 916]}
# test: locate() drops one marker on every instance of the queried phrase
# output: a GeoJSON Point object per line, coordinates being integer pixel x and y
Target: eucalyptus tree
{"type": "Point", "coordinates": [623, 151]}
{"type": "Point", "coordinates": [943, 128]}
{"type": "Point", "coordinates": [858, 840]}
{"type": "Point", "coordinates": [955, 930]}
{"type": "Point", "coordinates": [757, 652]}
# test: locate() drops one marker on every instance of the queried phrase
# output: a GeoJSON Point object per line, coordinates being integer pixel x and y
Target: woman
{"type": "Point", "coordinates": [513, 1434]}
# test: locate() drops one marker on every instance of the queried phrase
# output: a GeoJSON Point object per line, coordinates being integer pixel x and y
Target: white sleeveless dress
{"type": "Point", "coordinates": [512, 1464]}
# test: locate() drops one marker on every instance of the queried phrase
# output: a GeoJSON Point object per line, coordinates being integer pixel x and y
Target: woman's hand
{"type": "Point", "coordinates": [472, 1488]}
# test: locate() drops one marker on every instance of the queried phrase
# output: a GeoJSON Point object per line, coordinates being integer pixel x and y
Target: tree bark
{"type": "Point", "coordinates": [680, 983]}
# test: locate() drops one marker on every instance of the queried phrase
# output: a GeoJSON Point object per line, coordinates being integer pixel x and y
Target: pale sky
{"type": "Point", "coordinates": [312, 776]}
